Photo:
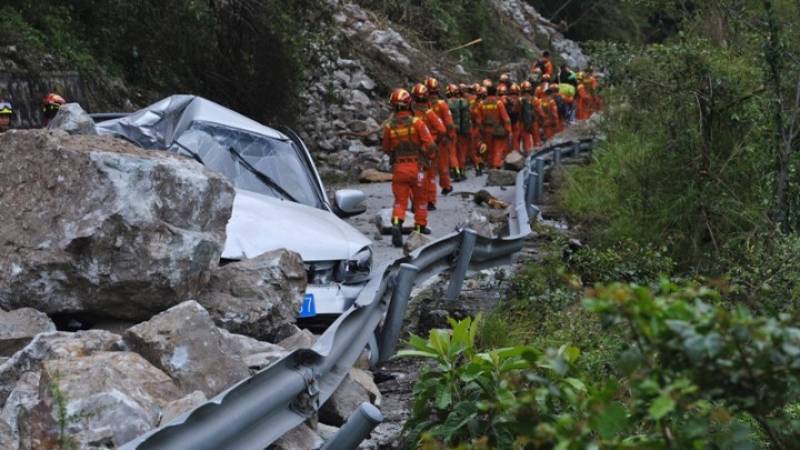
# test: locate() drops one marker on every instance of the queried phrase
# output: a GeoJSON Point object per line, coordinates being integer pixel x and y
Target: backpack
{"type": "Point", "coordinates": [513, 114]}
{"type": "Point", "coordinates": [459, 109]}
{"type": "Point", "coordinates": [527, 113]}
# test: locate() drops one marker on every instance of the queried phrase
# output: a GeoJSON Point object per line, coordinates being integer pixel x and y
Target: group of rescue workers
{"type": "Point", "coordinates": [51, 103]}
{"type": "Point", "coordinates": [428, 136]}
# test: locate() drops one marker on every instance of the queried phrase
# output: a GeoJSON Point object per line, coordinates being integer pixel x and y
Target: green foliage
{"type": "Point", "coordinates": [694, 375]}
{"type": "Point", "coordinates": [622, 261]}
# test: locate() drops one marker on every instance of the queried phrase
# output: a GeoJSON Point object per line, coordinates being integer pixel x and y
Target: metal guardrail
{"type": "Point", "coordinates": [259, 410]}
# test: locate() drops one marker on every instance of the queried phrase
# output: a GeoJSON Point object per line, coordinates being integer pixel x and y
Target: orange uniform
{"type": "Point", "coordinates": [529, 124]}
{"type": "Point", "coordinates": [475, 139]}
{"type": "Point", "coordinates": [409, 143]}
{"type": "Point", "coordinates": [439, 133]}
{"type": "Point", "coordinates": [547, 109]}
{"type": "Point", "coordinates": [447, 145]}
{"type": "Point", "coordinates": [583, 104]}
{"type": "Point", "coordinates": [513, 106]}
{"type": "Point", "coordinates": [496, 129]}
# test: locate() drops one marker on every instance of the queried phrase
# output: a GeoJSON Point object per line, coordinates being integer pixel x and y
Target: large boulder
{"type": "Point", "coordinates": [255, 354]}
{"type": "Point", "coordinates": [95, 225]}
{"type": "Point", "coordinates": [182, 405]}
{"type": "Point", "coordinates": [50, 346]}
{"type": "Point", "coordinates": [18, 327]}
{"type": "Point", "coordinates": [73, 119]}
{"type": "Point", "coordinates": [344, 401]}
{"type": "Point", "coordinates": [259, 296]}
{"type": "Point", "coordinates": [184, 342]}
{"type": "Point", "coordinates": [98, 401]}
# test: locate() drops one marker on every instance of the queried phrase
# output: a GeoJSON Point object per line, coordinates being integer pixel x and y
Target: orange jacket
{"type": "Point", "coordinates": [443, 111]}
{"type": "Point", "coordinates": [404, 128]}
{"type": "Point", "coordinates": [431, 120]}
{"type": "Point", "coordinates": [547, 109]}
{"type": "Point", "coordinates": [492, 113]}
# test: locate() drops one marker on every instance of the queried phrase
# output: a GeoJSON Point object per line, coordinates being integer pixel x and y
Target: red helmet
{"type": "Point", "coordinates": [420, 92]}
{"type": "Point", "coordinates": [487, 82]}
{"type": "Point", "coordinates": [51, 104]}
{"type": "Point", "coordinates": [482, 92]}
{"type": "Point", "coordinates": [526, 86]}
{"type": "Point", "coordinates": [452, 90]}
{"type": "Point", "coordinates": [432, 84]}
{"type": "Point", "coordinates": [514, 89]}
{"type": "Point", "coordinates": [400, 97]}
{"type": "Point", "coordinates": [502, 90]}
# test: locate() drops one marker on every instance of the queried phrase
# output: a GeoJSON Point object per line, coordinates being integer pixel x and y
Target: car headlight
{"type": "Point", "coordinates": [358, 268]}
{"type": "Point", "coordinates": [321, 272]}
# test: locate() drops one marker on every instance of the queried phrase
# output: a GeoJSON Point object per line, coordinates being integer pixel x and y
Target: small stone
{"type": "Point", "coordinates": [515, 160]}
{"type": "Point", "coordinates": [415, 241]}
{"type": "Point", "coordinates": [499, 177]}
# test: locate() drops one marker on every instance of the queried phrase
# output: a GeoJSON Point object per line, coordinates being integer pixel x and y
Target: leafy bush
{"type": "Point", "coordinates": [624, 261]}
{"type": "Point", "coordinates": [695, 375]}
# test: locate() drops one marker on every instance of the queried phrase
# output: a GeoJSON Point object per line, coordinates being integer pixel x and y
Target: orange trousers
{"type": "Point", "coordinates": [463, 143]}
{"type": "Point", "coordinates": [550, 129]}
{"type": "Point", "coordinates": [443, 164]}
{"type": "Point", "coordinates": [498, 147]}
{"type": "Point", "coordinates": [474, 148]}
{"type": "Point", "coordinates": [409, 181]}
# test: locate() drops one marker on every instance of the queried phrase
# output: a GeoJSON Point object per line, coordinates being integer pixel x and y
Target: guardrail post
{"type": "Point", "coordinates": [539, 178]}
{"type": "Point", "coordinates": [576, 149]}
{"type": "Point", "coordinates": [468, 238]}
{"type": "Point", "coordinates": [393, 322]}
{"type": "Point", "coordinates": [557, 157]}
{"type": "Point", "coordinates": [357, 428]}
{"type": "Point", "coordinates": [530, 189]}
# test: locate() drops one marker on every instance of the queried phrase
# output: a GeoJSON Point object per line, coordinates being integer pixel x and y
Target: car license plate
{"type": "Point", "coordinates": [308, 309]}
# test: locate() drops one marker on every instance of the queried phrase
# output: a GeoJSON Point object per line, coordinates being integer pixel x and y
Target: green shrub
{"type": "Point", "coordinates": [624, 261]}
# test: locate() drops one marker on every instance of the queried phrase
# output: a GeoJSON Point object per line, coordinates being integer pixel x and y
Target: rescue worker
{"type": "Point", "coordinates": [6, 111]}
{"type": "Point", "coordinates": [592, 86]}
{"type": "Point", "coordinates": [447, 144]}
{"type": "Point", "coordinates": [477, 148]}
{"type": "Point", "coordinates": [505, 80]}
{"type": "Point", "coordinates": [583, 100]}
{"type": "Point", "coordinates": [51, 103]}
{"type": "Point", "coordinates": [496, 127]}
{"type": "Point", "coordinates": [547, 110]}
{"type": "Point", "coordinates": [536, 75]}
{"type": "Point", "coordinates": [541, 90]}
{"type": "Point", "coordinates": [502, 94]}
{"type": "Point", "coordinates": [422, 110]}
{"type": "Point", "coordinates": [566, 102]}
{"type": "Point", "coordinates": [460, 111]}
{"type": "Point", "coordinates": [566, 75]}
{"type": "Point", "coordinates": [408, 142]}
{"type": "Point", "coordinates": [486, 83]}
{"type": "Point", "coordinates": [529, 123]}
{"type": "Point", "coordinates": [513, 107]}
{"type": "Point", "coordinates": [544, 64]}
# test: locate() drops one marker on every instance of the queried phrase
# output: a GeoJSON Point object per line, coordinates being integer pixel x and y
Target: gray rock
{"type": "Point", "coordinates": [415, 241]}
{"type": "Point", "coordinates": [18, 327]}
{"type": "Point", "coordinates": [51, 346]}
{"type": "Point", "coordinates": [300, 438]}
{"type": "Point", "coordinates": [365, 379]}
{"type": "Point", "coordinates": [303, 339]}
{"type": "Point", "coordinates": [182, 405]}
{"type": "Point", "coordinates": [367, 85]}
{"type": "Point", "coordinates": [383, 220]}
{"type": "Point", "coordinates": [184, 343]}
{"type": "Point", "coordinates": [344, 401]}
{"type": "Point", "coordinates": [342, 77]}
{"type": "Point", "coordinates": [256, 354]}
{"type": "Point", "coordinates": [256, 296]}
{"type": "Point", "coordinates": [499, 177]}
{"type": "Point", "coordinates": [8, 440]}
{"type": "Point", "coordinates": [111, 398]}
{"type": "Point", "coordinates": [72, 119]}
{"type": "Point", "coordinates": [24, 397]}
{"type": "Point", "coordinates": [358, 126]}
{"type": "Point", "coordinates": [112, 230]}
{"type": "Point", "coordinates": [478, 223]}
{"type": "Point", "coordinates": [359, 99]}
{"type": "Point", "coordinates": [515, 161]}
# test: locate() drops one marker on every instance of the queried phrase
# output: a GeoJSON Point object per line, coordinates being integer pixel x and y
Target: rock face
{"type": "Point", "coordinates": [18, 327]}
{"type": "Point", "coordinates": [50, 346]}
{"type": "Point", "coordinates": [109, 399]}
{"type": "Point", "coordinates": [72, 119]}
{"type": "Point", "coordinates": [258, 296]}
{"type": "Point", "coordinates": [184, 342]}
{"type": "Point", "coordinates": [98, 226]}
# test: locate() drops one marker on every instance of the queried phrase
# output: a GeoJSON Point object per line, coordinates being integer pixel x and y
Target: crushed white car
{"type": "Point", "coordinates": [280, 200]}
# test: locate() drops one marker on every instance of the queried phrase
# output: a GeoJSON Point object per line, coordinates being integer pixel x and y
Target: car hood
{"type": "Point", "coordinates": [260, 224]}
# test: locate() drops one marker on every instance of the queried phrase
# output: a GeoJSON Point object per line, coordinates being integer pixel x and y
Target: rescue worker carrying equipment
{"type": "Point", "coordinates": [408, 142]}
{"type": "Point", "coordinates": [496, 127]}
{"type": "Point", "coordinates": [422, 110]}
{"type": "Point", "coordinates": [548, 113]}
{"type": "Point", "coordinates": [446, 143]}
{"type": "Point", "coordinates": [460, 111]}
{"type": "Point", "coordinates": [529, 122]}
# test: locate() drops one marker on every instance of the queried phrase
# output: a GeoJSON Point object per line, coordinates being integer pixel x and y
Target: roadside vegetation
{"type": "Point", "coordinates": [675, 325]}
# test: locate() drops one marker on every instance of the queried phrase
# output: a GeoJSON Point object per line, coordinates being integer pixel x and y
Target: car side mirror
{"type": "Point", "coordinates": [349, 203]}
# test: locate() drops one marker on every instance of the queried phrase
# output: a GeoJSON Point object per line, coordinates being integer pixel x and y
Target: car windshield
{"type": "Point", "coordinates": [267, 161]}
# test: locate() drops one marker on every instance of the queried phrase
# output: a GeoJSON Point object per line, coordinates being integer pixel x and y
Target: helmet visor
{"type": "Point", "coordinates": [6, 108]}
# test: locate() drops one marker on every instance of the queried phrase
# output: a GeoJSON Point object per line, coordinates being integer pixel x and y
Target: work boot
{"type": "Point", "coordinates": [446, 191]}
{"type": "Point", "coordinates": [431, 207]}
{"type": "Point", "coordinates": [421, 229]}
{"type": "Point", "coordinates": [397, 234]}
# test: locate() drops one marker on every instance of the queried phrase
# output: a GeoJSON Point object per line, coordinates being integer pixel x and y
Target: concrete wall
{"type": "Point", "coordinates": [26, 90]}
